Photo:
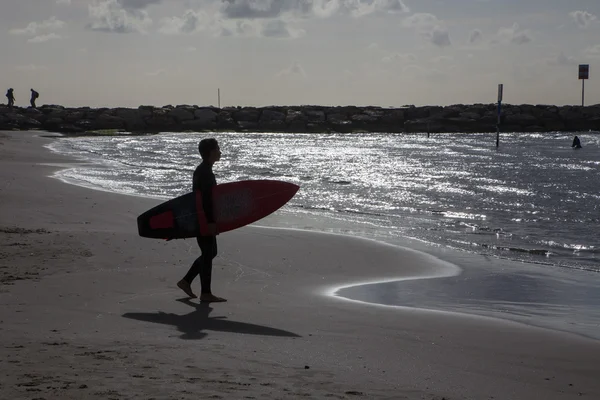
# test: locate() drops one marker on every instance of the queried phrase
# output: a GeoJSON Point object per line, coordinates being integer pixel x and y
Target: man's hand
{"type": "Point", "coordinates": [212, 229]}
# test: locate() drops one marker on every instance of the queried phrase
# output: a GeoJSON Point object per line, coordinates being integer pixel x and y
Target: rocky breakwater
{"type": "Point", "coordinates": [435, 119]}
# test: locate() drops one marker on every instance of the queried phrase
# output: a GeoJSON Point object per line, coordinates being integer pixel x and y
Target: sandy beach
{"type": "Point", "coordinates": [90, 310]}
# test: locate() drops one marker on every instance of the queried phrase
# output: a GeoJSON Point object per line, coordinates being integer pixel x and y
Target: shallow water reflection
{"type": "Point", "coordinates": [550, 301]}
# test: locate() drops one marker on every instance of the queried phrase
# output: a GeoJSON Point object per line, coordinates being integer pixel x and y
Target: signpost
{"type": "Point", "coordinates": [584, 73]}
{"type": "Point", "coordinates": [500, 94]}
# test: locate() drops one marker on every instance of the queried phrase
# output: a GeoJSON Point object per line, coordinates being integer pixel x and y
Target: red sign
{"type": "Point", "coordinates": [584, 71]}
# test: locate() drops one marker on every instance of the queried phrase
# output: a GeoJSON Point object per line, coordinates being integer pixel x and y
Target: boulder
{"type": "Point", "coordinates": [52, 124]}
{"type": "Point", "coordinates": [181, 114]}
{"type": "Point", "coordinates": [199, 125]}
{"type": "Point", "coordinates": [338, 119]}
{"type": "Point", "coordinates": [268, 116]}
{"type": "Point", "coordinates": [247, 114]}
{"type": "Point", "coordinates": [107, 121]}
{"type": "Point", "coordinates": [248, 125]}
{"type": "Point", "coordinates": [364, 119]}
{"type": "Point", "coordinates": [74, 116]}
{"type": "Point", "coordinates": [206, 115]}
{"type": "Point", "coordinates": [272, 124]}
{"type": "Point", "coordinates": [295, 115]}
{"type": "Point", "coordinates": [315, 116]}
{"type": "Point", "coordinates": [521, 120]}
{"type": "Point", "coordinates": [297, 125]}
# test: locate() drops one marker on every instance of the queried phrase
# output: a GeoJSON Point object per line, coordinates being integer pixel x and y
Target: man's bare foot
{"type": "Point", "coordinates": [211, 298]}
{"type": "Point", "coordinates": [183, 285]}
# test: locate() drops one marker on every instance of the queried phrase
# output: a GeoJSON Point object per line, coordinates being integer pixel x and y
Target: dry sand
{"type": "Point", "coordinates": [90, 310]}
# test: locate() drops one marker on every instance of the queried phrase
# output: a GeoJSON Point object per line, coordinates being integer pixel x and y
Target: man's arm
{"type": "Point", "coordinates": [206, 185]}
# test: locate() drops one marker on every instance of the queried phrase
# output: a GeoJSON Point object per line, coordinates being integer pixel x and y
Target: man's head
{"type": "Point", "coordinates": [209, 150]}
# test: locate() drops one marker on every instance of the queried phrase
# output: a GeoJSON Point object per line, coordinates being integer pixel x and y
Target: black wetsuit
{"type": "Point", "coordinates": [204, 180]}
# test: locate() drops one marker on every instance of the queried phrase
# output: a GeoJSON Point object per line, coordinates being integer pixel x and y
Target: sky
{"type": "Point", "coordinates": [388, 53]}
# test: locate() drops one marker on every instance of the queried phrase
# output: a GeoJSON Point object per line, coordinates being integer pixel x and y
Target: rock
{"type": "Point", "coordinates": [364, 119]}
{"type": "Point", "coordinates": [521, 120]}
{"type": "Point", "coordinates": [338, 119]}
{"type": "Point", "coordinates": [310, 118]}
{"type": "Point", "coordinates": [30, 123]}
{"type": "Point", "coordinates": [315, 116]}
{"type": "Point", "coordinates": [199, 125]}
{"type": "Point", "coordinates": [145, 111]}
{"type": "Point", "coordinates": [469, 115]}
{"type": "Point", "coordinates": [295, 116]}
{"type": "Point", "coordinates": [159, 123]}
{"type": "Point", "coordinates": [181, 114]}
{"type": "Point", "coordinates": [297, 125]}
{"type": "Point", "coordinates": [69, 128]}
{"type": "Point", "coordinates": [128, 113]}
{"type": "Point", "coordinates": [52, 123]}
{"type": "Point", "coordinates": [206, 115]}
{"type": "Point", "coordinates": [554, 124]}
{"type": "Point", "coordinates": [75, 116]}
{"type": "Point", "coordinates": [247, 114]}
{"type": "Point", "coordinates": [276, 125]}
{"type": "Point", "coordinates": [268, 116]}
{"type": "Point", "coordinates": [106, 121]}
{"type": "Point", "coordinates": [248, 125]}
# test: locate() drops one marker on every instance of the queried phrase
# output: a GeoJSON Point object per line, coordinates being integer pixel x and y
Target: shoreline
{"type": "Point", "coordinates": [108, 304]}
{"type": "Point", "coordinates": [351, 291]}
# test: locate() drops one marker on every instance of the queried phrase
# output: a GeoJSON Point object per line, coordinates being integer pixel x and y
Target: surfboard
{"type": "Point", "coordinates": [236, 204]}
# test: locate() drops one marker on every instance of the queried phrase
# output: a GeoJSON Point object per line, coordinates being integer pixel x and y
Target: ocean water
{"type": "Point", "coordinates": [533, 201]}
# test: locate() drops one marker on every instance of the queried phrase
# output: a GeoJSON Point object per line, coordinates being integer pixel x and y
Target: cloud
{"type": "Point", "coordinates": [430, 27]}
{"type": "Point", "coordinates": [294, 70]}
{"type": "Point", "coordinates": [280, 29]}
{"type": "Point", "coordinates": [44, 38]}
{"type": "Point", "coordinates": [400, 58]}
{"type": "Point", "coordinates": [593, 52]}
{"type": "Point", "coordinates": [264, 18]}
{"type": "Point", "coordinates": [137, 4]}
{"type": "Point", "coordinates": [561, 60]}
{"type": "Point", "coordinates": [114, 16]}
{"type": "Point", "coordinates": [33, 28]}
{"type": "Point", "coordinates": [196, 21]}
{"type": "Point", "coordinates": [475, 36]}
{"type": "Point", "coordinates": [513, 35]}
{"type": "Point", "coordinates": [63, 2]}
{"type": "Point", "coordinates": [440, 37]}
{"type": "Point", "coordinates": [255, 9]}
{"type": "Point", "coordinates": [191, 22]}
{"type": "Point", "coordinates": [583, 18]}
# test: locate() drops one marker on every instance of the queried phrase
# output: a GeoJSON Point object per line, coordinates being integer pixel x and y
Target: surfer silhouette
{"type": "Point", "coordinates": [204, 181]}
{"type": "Point", "coordinates": [576, 143]}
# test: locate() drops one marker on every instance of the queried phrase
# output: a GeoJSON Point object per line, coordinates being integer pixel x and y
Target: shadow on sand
{"type": "Point", "coordinates": [193, 324]}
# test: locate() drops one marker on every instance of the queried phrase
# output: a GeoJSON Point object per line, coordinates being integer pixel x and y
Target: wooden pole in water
{"type": "Point", "coordinates": [500, 93]}
{"type": "Point", "coordinates": [583, 93]}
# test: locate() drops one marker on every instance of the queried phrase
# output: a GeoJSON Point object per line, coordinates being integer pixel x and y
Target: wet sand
{"type": "Point", "coordinates": [91, 310]}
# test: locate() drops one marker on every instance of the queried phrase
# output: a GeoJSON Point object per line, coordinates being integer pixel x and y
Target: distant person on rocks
{"type": "Point", "coordinates": [34, 96]}
{"type": "Point", "coordinates": [11, 97]}
{"type": "Point", "coordinates": [576, 143]}
{"type": "Point", "coordinates": [204, 181]}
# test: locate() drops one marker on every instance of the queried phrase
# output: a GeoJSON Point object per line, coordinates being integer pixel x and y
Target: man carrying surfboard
{"type": "Point", "coordinates": [204, 181]}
